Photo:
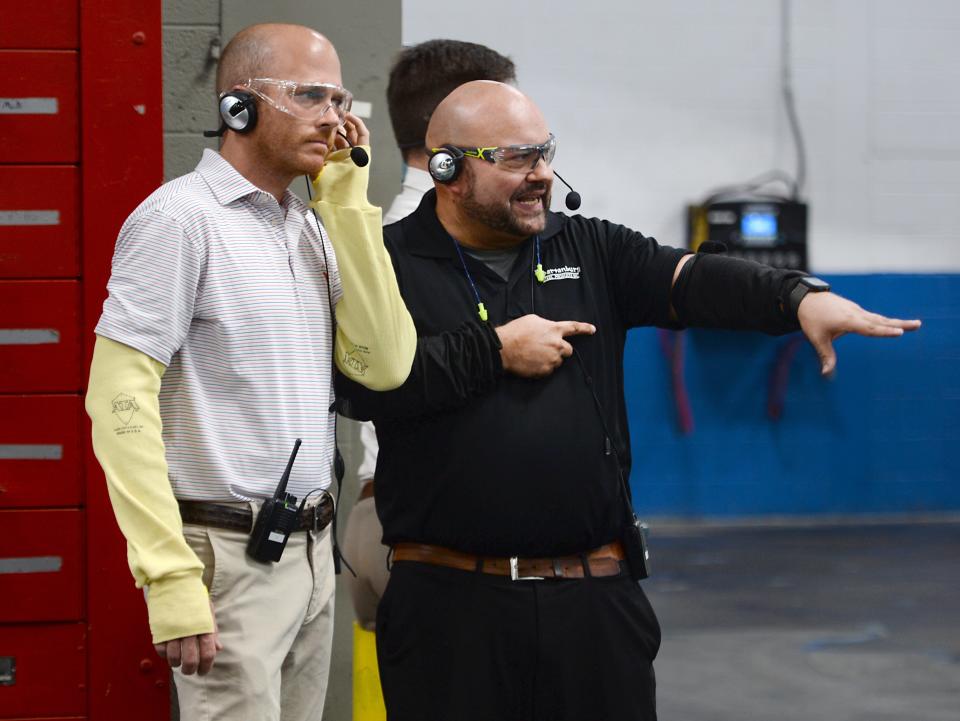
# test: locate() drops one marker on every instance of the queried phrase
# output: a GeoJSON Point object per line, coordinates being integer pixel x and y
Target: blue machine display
{"type": "Point", "coordinates": [770, 231]}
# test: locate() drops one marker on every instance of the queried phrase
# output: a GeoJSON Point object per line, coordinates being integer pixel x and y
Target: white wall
{"type": "Point", "coordinates": [657, 102]}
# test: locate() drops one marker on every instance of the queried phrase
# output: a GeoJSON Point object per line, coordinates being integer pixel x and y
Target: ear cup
{"type": "Point", "coordinates": [444, 165]}
{"type": "Point", "coordinates": [238, 110]}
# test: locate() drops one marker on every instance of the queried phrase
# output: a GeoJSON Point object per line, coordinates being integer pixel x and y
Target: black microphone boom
{"type": "Point", "coordinates": [572, 201]}
{"type": "Point", "coordinates": [357, 154]}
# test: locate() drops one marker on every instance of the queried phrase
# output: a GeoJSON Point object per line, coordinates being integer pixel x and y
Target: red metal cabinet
{"type": "Point", "coordinates": [40, 451]}
{"type": "Point", "coordinates": [42, 671]}
{"type": "Point", "coordinates": [41, 574]}
{"type": "Point", "coordinates": [39, 108]}
{"type": "Point", "coordinates": [40, 336]}
{"type": "Point", "coordinates": [39, 221]}
{"type": "Point", "coordinates": [31, 25]}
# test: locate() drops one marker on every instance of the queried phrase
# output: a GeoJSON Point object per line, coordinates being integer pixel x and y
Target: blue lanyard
{"type": "Point", "coordinates": [481, 309]}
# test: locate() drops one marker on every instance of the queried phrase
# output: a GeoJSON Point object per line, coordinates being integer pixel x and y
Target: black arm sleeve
{"type": "Point", "coordinates": [448, 370]}
{"type": "Point", "coordinates": [715, 291]}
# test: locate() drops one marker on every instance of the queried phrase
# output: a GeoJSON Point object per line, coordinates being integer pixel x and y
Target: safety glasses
{"type": "Point", "coordinates": [308, 101]}
{"type": "Point", "coordinates": [515, 157]}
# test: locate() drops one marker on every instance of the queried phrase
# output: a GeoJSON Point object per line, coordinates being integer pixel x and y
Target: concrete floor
{"type": "Point", "coordinates": [790, 623]}
{"type": "Point", "coordinates": [833, 623]}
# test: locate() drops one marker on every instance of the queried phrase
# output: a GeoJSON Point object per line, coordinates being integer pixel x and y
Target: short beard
{"type": "Point", "coordinates": [499, 217]}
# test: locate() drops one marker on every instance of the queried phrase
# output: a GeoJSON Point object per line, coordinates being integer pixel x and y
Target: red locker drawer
{"type": "Point", "coordinates": [40, 336]}
{"type": "Point", "coordinates": [40, 451]}
{"type": "Point", "coordinates": [39, 221]}
{"type": "Point", "coordinates": [40, 565]}
{"type": "Point", "coordinates": [39, 113]}
{"type": "Point", "coordinates": [51, 24]}
{"type": "Point", "coordinates": [43, 670]}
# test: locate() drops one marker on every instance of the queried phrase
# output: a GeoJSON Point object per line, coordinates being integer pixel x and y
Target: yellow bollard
{"type": "Point", "coordinates": [367, 696]}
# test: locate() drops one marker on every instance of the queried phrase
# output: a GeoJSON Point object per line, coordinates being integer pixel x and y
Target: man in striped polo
{"type": "Point", "coordinates": [218, 332]}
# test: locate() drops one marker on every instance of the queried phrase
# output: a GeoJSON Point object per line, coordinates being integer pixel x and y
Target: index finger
{"type": "Point", "coordinates": [576, 327]}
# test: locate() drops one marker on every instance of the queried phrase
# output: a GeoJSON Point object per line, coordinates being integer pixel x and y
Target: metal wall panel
{"type": "Point", "coordinates": [41, 569]}
{"type": "Point", "coordinates": [43, 671]}
{"type": "Point", "coordinates": [41, 452]}
{"type": "Point", "coordinates": [39, 108]}
{"type": "Point", "coordinates": [40, 336]}
{"type": "Point", "coordinates": [50, 24]}
{"type": "Point", "coordinates": [39, 221]}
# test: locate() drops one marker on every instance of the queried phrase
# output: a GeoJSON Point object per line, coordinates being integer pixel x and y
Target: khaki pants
{"type": "Point", "coordinates": [276, 627]}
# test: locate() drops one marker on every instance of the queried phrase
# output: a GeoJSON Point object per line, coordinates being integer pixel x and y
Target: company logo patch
{"type": "Point", "coordinates": [564, 273]}
{"type": "Point", "coordinates": [125, 406]}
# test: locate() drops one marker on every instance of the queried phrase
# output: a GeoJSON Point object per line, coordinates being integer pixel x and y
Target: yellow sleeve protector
{"type": "Point", "coordinates": [126, 383]}
{"type": "Point", "coordinates": [376, 338]}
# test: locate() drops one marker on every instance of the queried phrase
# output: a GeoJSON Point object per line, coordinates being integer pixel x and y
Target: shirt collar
{"type": "Point", "coordinates": [429, 238]}
{"type": "Point", "coordinates": [228, 185]}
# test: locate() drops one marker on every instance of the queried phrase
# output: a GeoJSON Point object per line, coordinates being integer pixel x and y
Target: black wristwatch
{"type": "Point", "coordinates": [809, 284]}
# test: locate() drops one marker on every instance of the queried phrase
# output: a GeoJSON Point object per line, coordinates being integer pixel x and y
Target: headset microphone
{"type": "Point", "coordinates": [572, 201]}
{"type": "Point", "coordinates": [357, 154]}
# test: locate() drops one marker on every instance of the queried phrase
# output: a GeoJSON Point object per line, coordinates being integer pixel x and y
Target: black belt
{"type": "Point", "coordinates": [237, 518]}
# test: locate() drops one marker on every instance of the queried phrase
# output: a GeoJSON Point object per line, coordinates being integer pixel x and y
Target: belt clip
{"type": "Point", "coordinates": [515, 573]}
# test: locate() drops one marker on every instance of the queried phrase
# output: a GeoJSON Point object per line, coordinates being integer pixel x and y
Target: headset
{"type": "Point", "coordinates": [238, 112]}
{"type": "Point", "coordinates": [445, 164]}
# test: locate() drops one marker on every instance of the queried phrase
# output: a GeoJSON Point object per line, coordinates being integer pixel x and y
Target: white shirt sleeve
{"type": "Point", "coordinates": [153, 286]}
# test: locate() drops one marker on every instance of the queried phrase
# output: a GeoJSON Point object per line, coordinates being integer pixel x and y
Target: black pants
{"type": "Point", "coordinates": [463, 646]}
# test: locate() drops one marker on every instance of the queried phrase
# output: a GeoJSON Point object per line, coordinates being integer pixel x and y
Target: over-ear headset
{"type": "Point", "coordinates": [238, 112]}
{"type": "Point", "coordinates": [445, 163]}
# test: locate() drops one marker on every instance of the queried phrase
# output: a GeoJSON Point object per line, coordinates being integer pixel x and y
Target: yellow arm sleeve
{"type": "Point", "coordinates": [123, 404]}
{"type": "Point", "coordinates": [376, 338]}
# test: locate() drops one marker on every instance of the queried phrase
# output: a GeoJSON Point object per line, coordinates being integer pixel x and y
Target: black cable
{"type": "Point", "coordinates": [786, 76]}
{"type": "Point", "coordinates": [337, 465]}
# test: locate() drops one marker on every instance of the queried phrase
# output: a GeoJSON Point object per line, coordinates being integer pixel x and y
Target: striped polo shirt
{"type": "Point", "coordinates": [227, 287]}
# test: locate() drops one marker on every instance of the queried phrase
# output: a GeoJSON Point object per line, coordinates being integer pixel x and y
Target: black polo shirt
{"type": "Point", "coordinates": [486, 462]}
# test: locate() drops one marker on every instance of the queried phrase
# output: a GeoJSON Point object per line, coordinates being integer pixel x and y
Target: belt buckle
{"type": "Point", "coordinates": [515, 574]}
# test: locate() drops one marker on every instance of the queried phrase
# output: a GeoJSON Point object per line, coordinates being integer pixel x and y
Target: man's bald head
{"type": "Point", "coordinates": [486, 113]}
{"type": "Point", "coordinates": [262, 50]}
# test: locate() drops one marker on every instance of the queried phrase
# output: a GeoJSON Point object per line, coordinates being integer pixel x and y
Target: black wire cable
{"type": "Point", "coordinates": [786, 77]}
{"type": "Point", "coordinates": [337, 464]}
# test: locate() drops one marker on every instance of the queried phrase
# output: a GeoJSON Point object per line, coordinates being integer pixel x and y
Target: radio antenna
{"type": "Point", "coordinates": [282, 486]}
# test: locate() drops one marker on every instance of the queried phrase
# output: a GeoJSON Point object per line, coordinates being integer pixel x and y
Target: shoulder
{"type": "Point", "coordinates": [180, 208]}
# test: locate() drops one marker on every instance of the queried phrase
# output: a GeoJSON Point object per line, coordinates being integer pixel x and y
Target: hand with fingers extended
{"type": "Point", "coordinates": [824, 317]}
{"type": "Point", "coordinates": [192, 654]}
{"type": "Point", "coordinates": [534, 347]}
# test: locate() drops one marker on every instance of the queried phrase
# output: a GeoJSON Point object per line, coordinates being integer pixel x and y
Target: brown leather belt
{"type": "Point", "coordinates": [603, 561]}
{"type": "Point", "coordinates": [240, 518]}
{"type": "Point", "coordinates": [366, 490]}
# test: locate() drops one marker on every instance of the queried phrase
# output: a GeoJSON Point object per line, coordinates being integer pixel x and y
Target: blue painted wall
{"type": "Point", "coordinates": [882, 436]}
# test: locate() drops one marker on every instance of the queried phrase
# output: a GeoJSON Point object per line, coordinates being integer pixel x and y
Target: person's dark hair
{"type": "Point", "coordinates": [425, 74]}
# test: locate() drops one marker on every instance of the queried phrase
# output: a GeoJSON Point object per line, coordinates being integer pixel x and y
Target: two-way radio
{"type": "Point", "coordinates": [276, 521]}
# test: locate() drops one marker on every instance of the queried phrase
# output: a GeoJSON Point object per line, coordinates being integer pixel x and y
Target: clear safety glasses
{"type": "Point", "coordinates": [308, 101]}
{"type": "Point", "coordinates": [516, 157]}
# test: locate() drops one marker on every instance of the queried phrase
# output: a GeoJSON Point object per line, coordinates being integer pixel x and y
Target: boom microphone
{"type": "Point", "coordinates": [572, 201]}
{"type": "Point", "coordinates": [357, 154]}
